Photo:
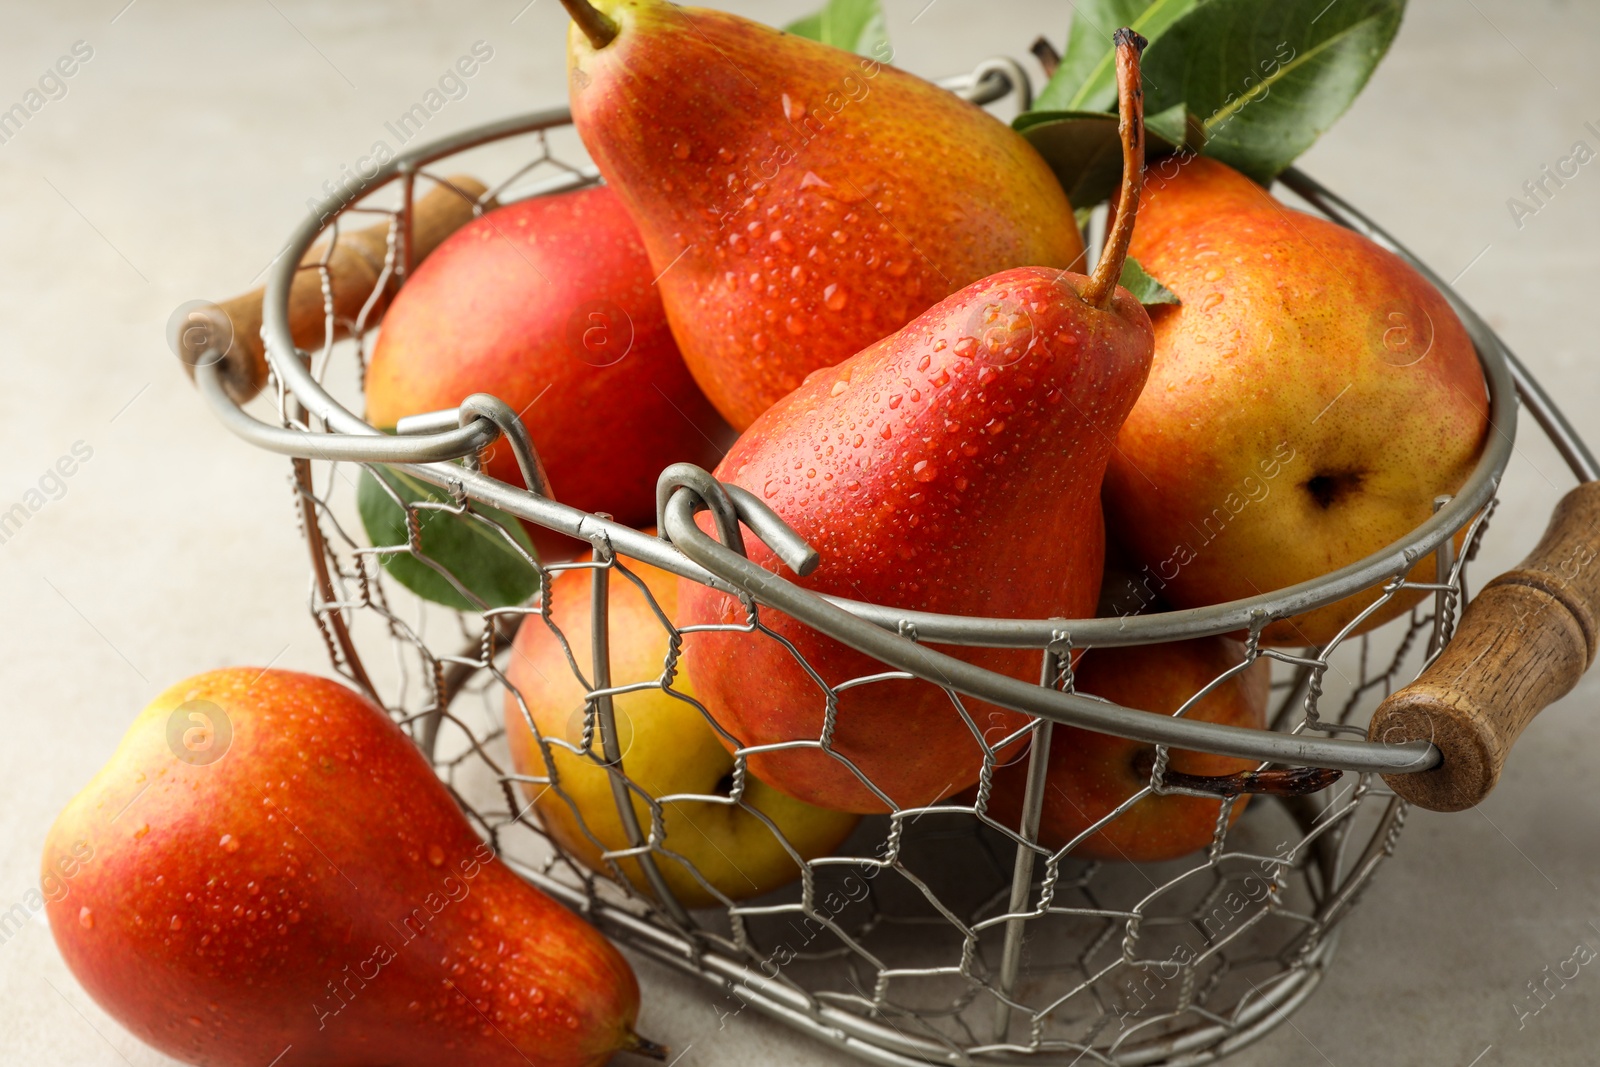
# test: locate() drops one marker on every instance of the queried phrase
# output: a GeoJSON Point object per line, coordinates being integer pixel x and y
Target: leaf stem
{"type": "Point", "coordinates": [1130, 129]}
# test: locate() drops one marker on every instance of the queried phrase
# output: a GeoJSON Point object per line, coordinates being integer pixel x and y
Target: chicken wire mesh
{"type": "Point", "coordinates": [936, 932]}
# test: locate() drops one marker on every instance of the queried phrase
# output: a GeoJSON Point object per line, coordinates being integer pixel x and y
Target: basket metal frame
{"type": "Point", "coordinates": [426, 444]}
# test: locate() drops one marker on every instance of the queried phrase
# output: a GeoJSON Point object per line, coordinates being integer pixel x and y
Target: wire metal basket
{"type": "Point", "coordinates": [934, 934]}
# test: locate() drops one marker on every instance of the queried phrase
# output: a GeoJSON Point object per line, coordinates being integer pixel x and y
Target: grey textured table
{"type": "Point", "coordinates": [184, 149]}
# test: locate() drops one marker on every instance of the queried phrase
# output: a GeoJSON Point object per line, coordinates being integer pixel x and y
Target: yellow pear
{"type": "Point", "coordinates": [667, 747]}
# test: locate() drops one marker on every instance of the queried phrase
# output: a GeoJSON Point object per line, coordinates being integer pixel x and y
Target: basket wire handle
{"type": "Point", "coordinates": [948, 672]}
{"type": "Point", "coordinates": [1522, 643]}
{"type": "Point", "coordinates": [730, 505]}
{"type": "Point", "coordinates": [484, 406]}
{"type": "Point", "coordinates": [712, 493]}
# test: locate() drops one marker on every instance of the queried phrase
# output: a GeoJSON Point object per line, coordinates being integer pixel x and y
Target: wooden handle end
{"type": "Point", "coordinates": [1466, 734]}
{"type": "Point", "coordinates": [1523, 643]}
{"type": "Point", "coordinates": [233, 326]}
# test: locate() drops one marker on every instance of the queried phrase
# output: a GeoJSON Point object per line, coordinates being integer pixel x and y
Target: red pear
{"type": "Point", "coordinates": [954, 466]}
{"type": "Point", "coordinates": [548, 305]}
{"type": "Point", "coordinates": [277, 877]}
{"type": "Point", "coordinates": [1091, 773]}
{"type": "Point", "coordinates": [799, 202]}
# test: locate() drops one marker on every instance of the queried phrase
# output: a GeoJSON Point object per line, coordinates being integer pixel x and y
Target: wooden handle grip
{"type": "Point", "coordinates": [1523, 643]}
{"type": "Point", "coordinates": [354, 266]}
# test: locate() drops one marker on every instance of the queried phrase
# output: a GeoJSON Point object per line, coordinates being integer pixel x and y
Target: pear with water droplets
{"type": "Point", "coordinates": [798, 202]}
{"type": "Point", "coordinates": [953, 467]}
{"type": "Point", "coordinates": [1309, 400]}
{"type": "Point", "coordinates": [267, 871]}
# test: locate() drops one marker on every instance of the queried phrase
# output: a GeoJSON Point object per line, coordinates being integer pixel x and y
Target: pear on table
{"type": "Point", "coordinates": [798, 202]}
{"type": "Point", "coordinates": [277, 876]}
{"type": "Point", "coordinates": [954, 466]}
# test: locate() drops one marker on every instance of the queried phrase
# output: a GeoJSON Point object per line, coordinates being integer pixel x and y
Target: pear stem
{"type": "Point", "coordinates": [596, 26]}
{"type": "Point", "coordinates": [1130, 129]}
{"type": "Point", "coordinates": [643, 1046]}
{"type": "Point", "coordinates": [1289, 782]}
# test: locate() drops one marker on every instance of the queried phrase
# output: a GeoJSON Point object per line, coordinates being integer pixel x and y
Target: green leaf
{"type": "Point", "coordinates": [1083, 150]}
{"type": "Point", "coordinates": [854, 25]}
{"type": "Point", "coordinates": [483, 559]}
{"type": "Point", "coordinates": [1263, 79]}
{"type": "Point", "coordinates": [1145, 288]}
{"type": "Point", "coordinates": [1253, 83]}
{"type": "Point", "coordinates": [1169, 128]}
{"type": "Point", "coordinates": [1087, 77]}
{"type": "Point", "coordinates": [809, 27]}
{"type": "Point", "coordinates": [1081, 147]}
